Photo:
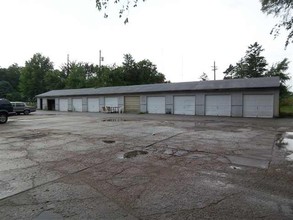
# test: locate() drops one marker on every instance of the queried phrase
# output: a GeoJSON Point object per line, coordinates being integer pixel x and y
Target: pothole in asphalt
{"type": "Point", "coordinates": [108, 141]}
{"type": "Point", "coordinates": [134, 153]}
{"type": "Point", "coordinates": [114, 119]}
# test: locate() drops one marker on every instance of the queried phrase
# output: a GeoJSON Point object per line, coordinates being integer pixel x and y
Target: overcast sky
{"type": "Point", "coordinates": [183, 38]}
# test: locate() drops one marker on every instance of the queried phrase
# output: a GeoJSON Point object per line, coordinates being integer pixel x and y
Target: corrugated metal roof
{"type": "Point", "coordinates": [264, 82]}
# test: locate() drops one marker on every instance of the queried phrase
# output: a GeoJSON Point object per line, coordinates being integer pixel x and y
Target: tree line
{"type": "Point", "coordinates": [39, 76]}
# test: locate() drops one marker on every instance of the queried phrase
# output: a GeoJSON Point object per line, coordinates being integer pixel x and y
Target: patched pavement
{"type": "Point", "coordinates": [108, 166]}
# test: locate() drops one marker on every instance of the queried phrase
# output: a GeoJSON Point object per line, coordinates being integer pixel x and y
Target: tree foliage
{"type": "Point", "coordinates": [280, 69]}
{"type": "Point", "coordinates": [38, 76]}
{"type": "Point", "coordinates": [283, 10]}
{"type": "Point", "coordinates": [32, 78]}
{"type": "Point", "coordinates": [204, 77]}
{"type": "Point", "coordinates": [124, 6]}
{"type": "Point", "coordinates": [9, 80]}
{"type": "Point", "coordinates": [253, 64]}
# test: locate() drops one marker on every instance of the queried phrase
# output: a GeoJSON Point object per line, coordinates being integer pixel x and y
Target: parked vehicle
{"type": "Point", "coordinates": [21, 107]}
{"type": "Point", "coordinates": [6, 110]}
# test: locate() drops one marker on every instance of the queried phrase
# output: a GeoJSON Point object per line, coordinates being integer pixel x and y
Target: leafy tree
{"type": "Point", "coordinates": [204, 77]}
{"type": "Point", "coordinates": [11, 76]}
{"type": "Point", "coordinates": [130, 73]}
{"type": "Point", "coordinates": [283, 10]}
{"type": "Point", "coordinates": [253, 64]}
{"type": "Point", "coordinates": [5, 89]}
{"type": "Point", "coordinates": [148, 73]}
{"type": "Point", "coordinates": [54, 80]}
{"type": "Point", "coordinates": [280, 69]}
{"type": "Point", "coordinates": [32, 78]}
{"type": "Point", "coordinates": [229, 72]}
{"type": "Point", "coordinates": [77, 76]}
{"type": "Point", "coordinates": [124, 5]}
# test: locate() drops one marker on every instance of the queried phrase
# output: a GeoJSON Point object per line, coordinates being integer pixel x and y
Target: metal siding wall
{"type": "Point", "coordinates": [143, 107]}
{"type": "Point", "coordinates": [276, 104]}
{"type": "Point", "coordinates": [69, 104]}
{"type": "Point", "coordinates": [56, 104]}
{"type": "Point", "coordinates": [38, 103]}
{"type": "Point", "coordinates": [45, 102]}
{"type": "Point", "coordinates": [84, 104]}
{"type": "Point", "coordinates": [199, 104]}
{"type": "Point", "coordinates": [236, 104]}
{"type": "Point", "coordinates": [120, 101]}
{"type": "Point", "coordinates": [169, 103]}
{"type": "Point", "coordinates": [102, 102]}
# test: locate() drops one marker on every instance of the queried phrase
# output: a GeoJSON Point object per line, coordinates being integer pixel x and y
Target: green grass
{"type": "Point", "coordinates": [286, 111]}
{"type": "Point", "coordinates": [286, 106]}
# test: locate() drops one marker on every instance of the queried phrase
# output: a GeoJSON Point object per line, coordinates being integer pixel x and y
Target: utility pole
{"type": "Point", "coordinates": [67, 65]}
{"type": "Point", "coordinates": [214, 69]}
{"type": "Point", "coordinates": [100, 58]}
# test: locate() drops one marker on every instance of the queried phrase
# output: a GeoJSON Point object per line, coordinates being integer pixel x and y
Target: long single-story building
{"type": "Point", "coordinates": [254, 97]}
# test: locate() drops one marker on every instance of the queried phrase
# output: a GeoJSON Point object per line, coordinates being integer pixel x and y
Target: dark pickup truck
{"type": "Point", "coordinates": [6, 110]}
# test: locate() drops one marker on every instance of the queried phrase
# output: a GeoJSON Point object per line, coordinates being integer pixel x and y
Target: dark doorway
{"type": "Point", "coordinates": [51, 104]}
{"type": "Point", "coordinates": [41, 104]}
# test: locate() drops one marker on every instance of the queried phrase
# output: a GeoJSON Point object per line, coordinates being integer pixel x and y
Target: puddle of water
{"type": "Point", "coordinates": [134, 153]}
{"type": "Point", "coordinates": [289, 157]}
{"type": "Point", "coordinates": [287, 143]}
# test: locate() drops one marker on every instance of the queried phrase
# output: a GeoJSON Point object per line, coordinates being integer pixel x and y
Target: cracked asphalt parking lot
{"type": "Point", "coordinates": [72, 166]}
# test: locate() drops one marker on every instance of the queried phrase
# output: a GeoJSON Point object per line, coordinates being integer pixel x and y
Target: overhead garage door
{"type": "Point", "coordinates": [132, 104]}
{"type": "Point", "coordinates": [258, 106]}
{"type": "Point", "coordinates": [184, 105]}
{"type": "Point", "coordinates": [218, 105]}
{"type": "Point", "coordinates": [77, 105]}
{"type": "Point", "coordinates": [156, 105]}
{"type": "Point", "coordinates": [111, 101]}
{"type": "Point", "coordinates": [63, 105]}
{"type": "Point", "coordinates": [93, 104]}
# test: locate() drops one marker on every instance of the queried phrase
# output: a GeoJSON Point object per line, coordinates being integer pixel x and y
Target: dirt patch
{"type": "Point", "coordinates": [134, 153]}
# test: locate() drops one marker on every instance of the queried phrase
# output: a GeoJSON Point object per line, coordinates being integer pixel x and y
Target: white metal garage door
{"type": "Point", "coordinates": [218, 105]}
{"type": "Point", "coordinates": [93, 104]}
{"type": "Point", "coordinates": [258, 106]}
{"type": "Point", "coordinates": [77, 105]}
{"type": "Point", "coordinates": [63, 105]}
{"type": "Point", "coordinates": [156, 105]}
{"type": "Point", "coordinates": [111, 101]}
{"type": "Point", "coordinates": [184, 105]}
